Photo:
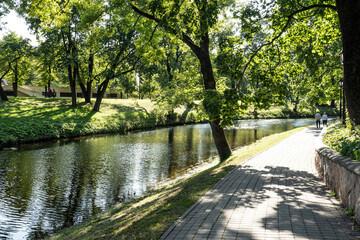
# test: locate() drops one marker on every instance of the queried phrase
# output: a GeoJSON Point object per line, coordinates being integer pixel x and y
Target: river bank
{"type": "Point", "coordinates": [24, 120]}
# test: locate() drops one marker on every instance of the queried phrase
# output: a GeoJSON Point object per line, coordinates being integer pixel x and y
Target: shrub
{"type": "Point", "coordinates": [344, 139]}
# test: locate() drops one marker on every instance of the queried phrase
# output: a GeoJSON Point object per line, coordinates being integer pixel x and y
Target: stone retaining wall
{"type": "Point", "coordinates": [341, 174]}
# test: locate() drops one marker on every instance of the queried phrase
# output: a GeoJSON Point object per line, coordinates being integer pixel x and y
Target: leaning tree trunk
{"type": "Point", "coordinates": [221, 143]}
{"type": "Point", "coordinates": [218, 133]}
{"type": "Point", "coordinates": [349, 16]}
{"type": "Point", "coordinates": [203, 54]}
{"type": "Point", "coordinates": [100, 94]}
{"type": "Point", "coordinates": [86, 91]}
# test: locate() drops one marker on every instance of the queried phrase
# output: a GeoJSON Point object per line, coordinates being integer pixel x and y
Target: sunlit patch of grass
{"type": "Point", "coordinates": [151, 215]}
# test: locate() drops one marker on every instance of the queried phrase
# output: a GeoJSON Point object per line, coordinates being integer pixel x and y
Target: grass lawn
{"type": "Point", "coordinates": [151, 215]}
{"type": "Point", "coordinates": [33, 119]}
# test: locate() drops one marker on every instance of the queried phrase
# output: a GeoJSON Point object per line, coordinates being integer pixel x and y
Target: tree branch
{"type": "Point", "coordinates": [149, 16]}
{"type": "Point", "coordinates": [183, 37]}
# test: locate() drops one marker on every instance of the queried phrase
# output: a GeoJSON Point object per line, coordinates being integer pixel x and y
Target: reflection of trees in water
{"type": "Point", "coordinates": [191, 155]}
{"type": "Point", "coordinates": [171, 149]}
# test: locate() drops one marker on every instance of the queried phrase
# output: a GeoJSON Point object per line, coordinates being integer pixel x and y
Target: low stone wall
{"type": "Point", "coordinates": [341, 174]}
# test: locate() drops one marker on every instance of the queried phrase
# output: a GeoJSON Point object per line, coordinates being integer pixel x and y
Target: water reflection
{"type": "Point", "coordinates": [45, 187]}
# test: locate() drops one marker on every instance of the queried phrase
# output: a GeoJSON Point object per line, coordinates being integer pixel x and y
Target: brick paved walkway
{"type": "Point", "coordinates": [274, 195]}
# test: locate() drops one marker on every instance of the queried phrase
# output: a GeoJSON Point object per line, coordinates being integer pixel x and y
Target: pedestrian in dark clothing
{"type": "Point", "coordinates": [317, 119]}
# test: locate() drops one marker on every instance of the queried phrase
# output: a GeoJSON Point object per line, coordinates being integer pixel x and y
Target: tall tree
{"type": "Point", "coordinates": [16, 51]}
{"type": "Point", "coordinates": [118, 58]}
{"type": "Point", "coordinates": [62, 20]}
{"type": "Point", "coordinates": [47, 58]}
{"type": "Point", "coordinates": [349, 16]}
{"type": "Point", "coordinates": [191, 22]}
{"type": "Point", "coordinates": [281, 15]}
{"type": "Point", "coordinates": [4, 67]}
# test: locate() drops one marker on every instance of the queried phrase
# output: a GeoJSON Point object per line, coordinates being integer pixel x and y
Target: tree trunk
{"type": "Point", "coordinates": [16, 80]}
{"type": "Point", "coordinates": [15, 88]}
{"type": "Point", "coordinates": [3, 94]}
{"type": "Point", "coordinates": [218, 133]}
{"type": "Point", "coordinates": [86, 91]}
{"type": "Point", "coordinates": [72, 86]}
{"type": "Point", "coordinates": [100, 94]}
{"type": "Point", "coordinates": [349, 16]}
{"type": "Point", "coordinates": [332, 103]}
{"type": "Point", "coordinates": [221, 143]}
{"type": "Point", "coordinates": [296, 104]}
{"type": "Point", "coordinates": [202, 53]}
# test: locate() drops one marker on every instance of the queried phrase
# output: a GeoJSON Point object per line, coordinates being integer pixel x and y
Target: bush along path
{"type": "Point", "coordinates": [344, 139]}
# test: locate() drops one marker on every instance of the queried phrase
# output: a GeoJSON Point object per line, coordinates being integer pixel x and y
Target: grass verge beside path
{"type": "Point", "coordinates": [151, 215]}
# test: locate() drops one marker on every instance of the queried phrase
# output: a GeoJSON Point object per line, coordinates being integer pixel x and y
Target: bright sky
{"type": "Point", "coordinates": [18, 25]}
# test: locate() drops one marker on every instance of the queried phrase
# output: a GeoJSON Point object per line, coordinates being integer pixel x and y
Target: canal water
{"type": "Point", "coordinates": [47, 186]}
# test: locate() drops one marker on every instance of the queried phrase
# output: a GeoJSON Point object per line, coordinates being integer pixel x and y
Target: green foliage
{"type": "Point", "coordinates": [343, 139]}
{"type": "Point", "coordinates": [223, 106]}
{"type": "Point", "coordinates": [15, 55]}
{"type": "Point", "coordinates": [230, 57]}
{"type": "Point", "coordinates": [351, 212]}
{"type": "Point", "coordinates": [332, 193]}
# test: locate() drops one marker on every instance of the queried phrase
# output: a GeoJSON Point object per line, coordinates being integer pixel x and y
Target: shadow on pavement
{"type": "Point", "coordinates": [272, 203]}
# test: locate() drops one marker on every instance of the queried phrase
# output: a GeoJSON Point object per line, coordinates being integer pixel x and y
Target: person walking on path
{"type": "Point", "coordinates": [274, 195]}
{"type": "Point", "coordinates": [324, 119]}
{"type": "Point", "coordinates": [317, 119]}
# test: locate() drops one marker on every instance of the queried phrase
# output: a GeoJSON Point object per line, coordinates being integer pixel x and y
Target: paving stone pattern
{"type": "Point", "coordinates": [274, 195]}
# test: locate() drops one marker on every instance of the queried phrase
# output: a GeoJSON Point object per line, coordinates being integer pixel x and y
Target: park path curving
{"type": "Point", "coordinates": [274, 195]}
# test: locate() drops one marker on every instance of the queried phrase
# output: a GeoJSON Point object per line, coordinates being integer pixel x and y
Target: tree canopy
{"type": "Point", "coordinates": [224, 54]}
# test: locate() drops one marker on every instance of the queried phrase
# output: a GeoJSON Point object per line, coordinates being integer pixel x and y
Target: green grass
{"type": "Point", "coordinates": [149, 216]}
{"type": "Point", "coordinates": [33, 119]}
